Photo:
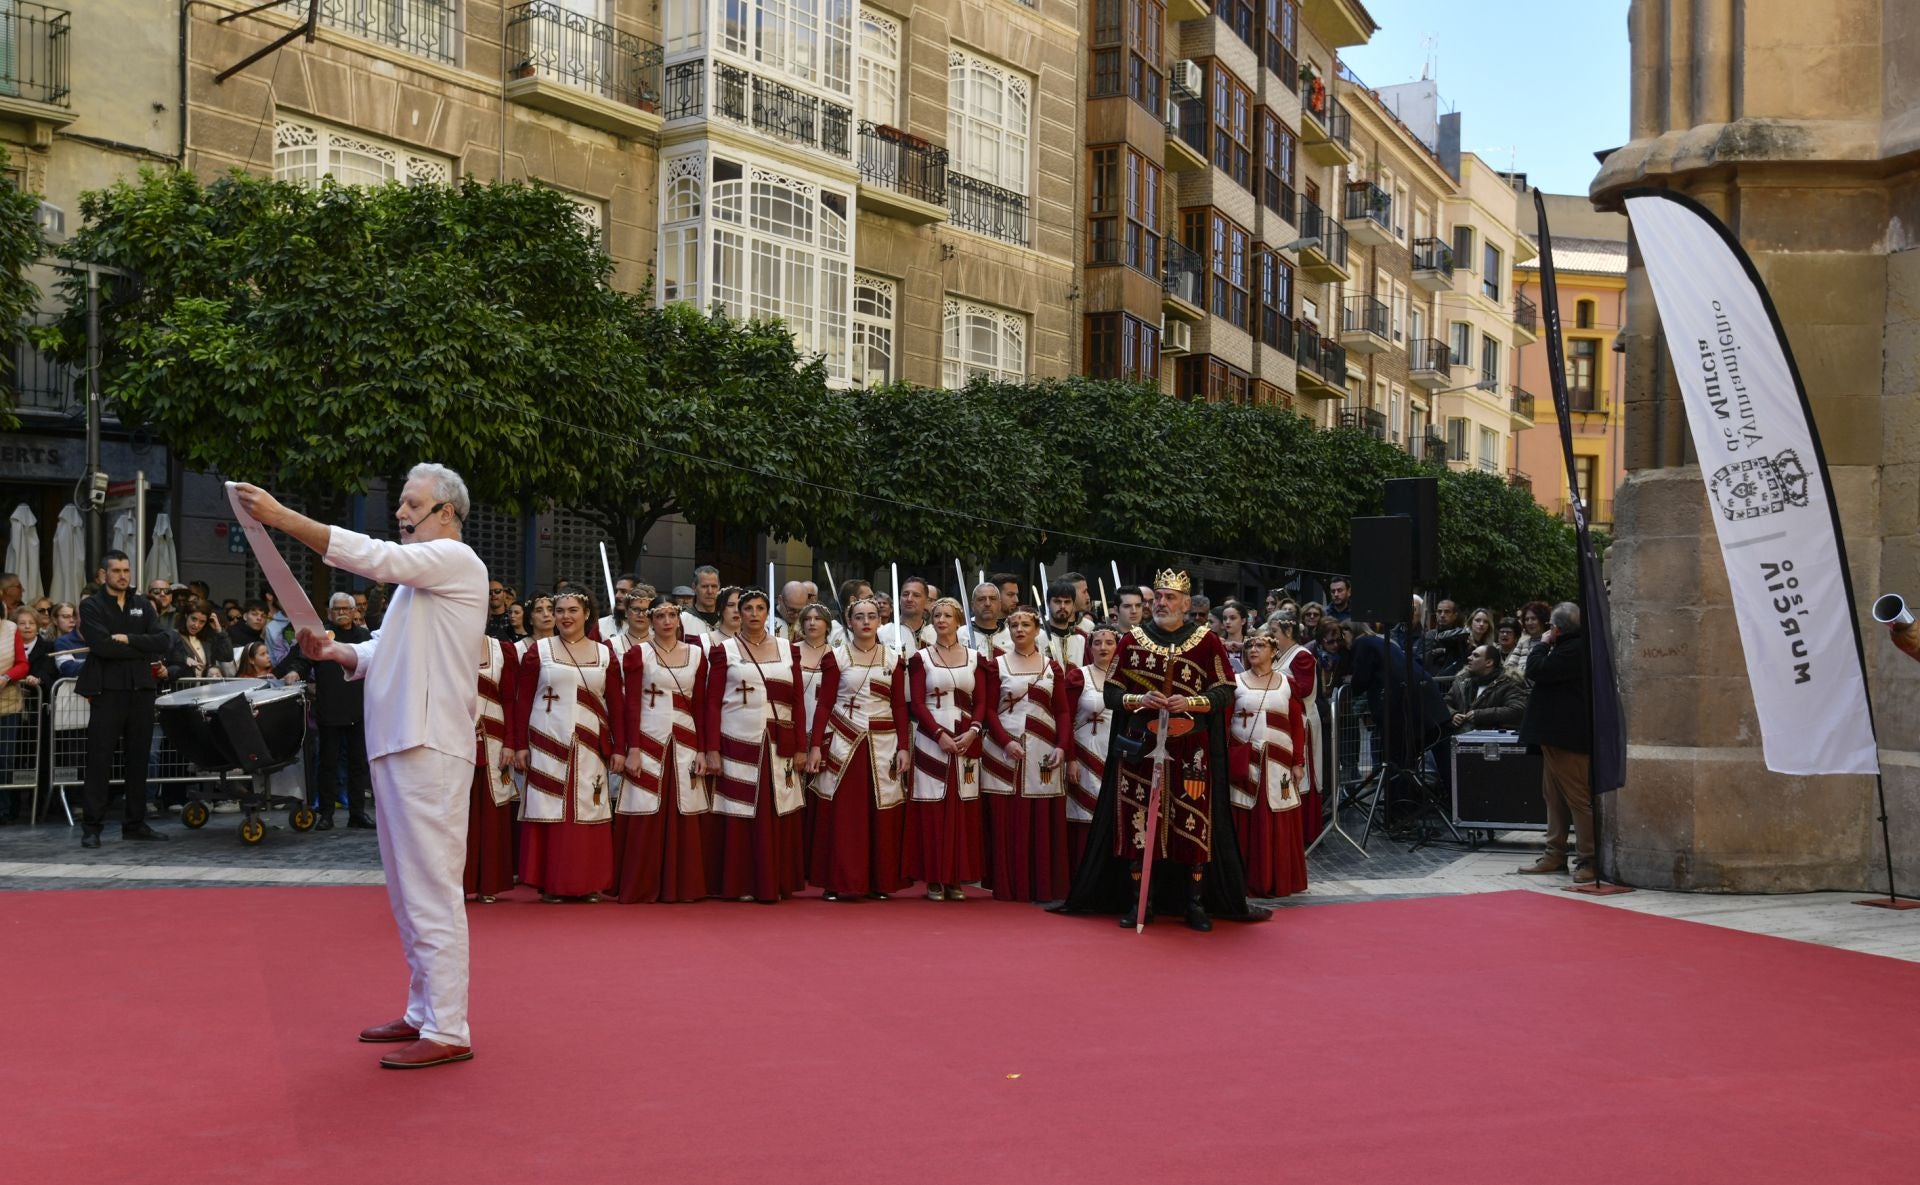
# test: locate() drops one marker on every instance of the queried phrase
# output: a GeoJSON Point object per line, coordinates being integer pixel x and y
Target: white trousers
{"type": "Point", "coordinates": [421, 797]}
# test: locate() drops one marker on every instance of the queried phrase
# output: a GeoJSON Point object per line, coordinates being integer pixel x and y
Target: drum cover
{"type": "Point", "coordinates": [264, 728]}
{"type": "Point", "coordinates": [186, 716]}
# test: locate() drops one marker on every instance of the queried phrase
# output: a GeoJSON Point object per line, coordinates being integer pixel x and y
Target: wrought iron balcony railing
{"type": "Point", "coordinates": [984, 208]}
{"type": "Point", "coordinates": [1314, 224]}
{"type": "Point", "coordinates": [1369, 201]}
{"type": "Point", "coordinates": [546, 40]}
{"type": "Point", "coordinates": [1276, 330]}
{"type": "Point", "coordinates": [1432, 255]}
{"type": "Point", "coordinates": [35, 44]}
{"type": "Point", "coordinates": [1193, 125]}
{"type": "Point", "coordinates": [44, 386]}
{"type": "Point", "coordinates": [1321, 355]}
{"type": "Point", "coordinates": [1523, 403]}
{"type": "Point", "coordinates": [1434, 446]}
{"type": "Point", "coordinates": [1324, 107]}
{"type": "Point", "coordinates": [1366, 419]}
{"type": "Point", "coordinates": [1526, 314]}
{"type": "Point", "coordinates": [686, 90]}
{"type": "Point", "coordinates": [1519, 480]}
{"type": "Point", "coordinates": [1183, 273]}
{"type": "Point", "coordinates": [428, 28]}
{"type": "Point", "coordinates": [903, 163]}
{"type": "Point", "coordinates": [1364, 314]}
{"type": "Point", "coordinates": [1426, 353]}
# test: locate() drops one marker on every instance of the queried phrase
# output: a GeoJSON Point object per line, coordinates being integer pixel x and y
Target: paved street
{"type": "Point", "coordinates": [49, 857]}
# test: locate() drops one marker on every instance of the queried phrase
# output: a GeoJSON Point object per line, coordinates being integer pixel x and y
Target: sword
{"type": "Point", "coordinates": [1159, 755]}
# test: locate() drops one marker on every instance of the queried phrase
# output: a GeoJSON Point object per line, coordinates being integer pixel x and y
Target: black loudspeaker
{"type": "Point", "coordinates": [1496, 783]}
{"type": "Point", "coordinates": [1382, 569]}
{"type": "Point", "coordinates": [1419, 499]}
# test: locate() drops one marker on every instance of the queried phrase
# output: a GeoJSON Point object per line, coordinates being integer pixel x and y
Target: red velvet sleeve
{"type": "Point", "coordinates": [1063, 710]}
{"type": "Point", "coordinates": [986, 692]}
{"type": "Point", "coordinates": [709, 705]}
{"type": "Point", "coordinates": [633, 673]}
{"type": "Point", "coordinates": [616, 705]}
{"type": "Point", "coordinates": [700, 733]}
{"type": "Point", "coordinates": [1301, 673]}
{"type": "Point", "coordinates": [823, 702]}
{"type": "Point", "coordinates": [526, 682]}
{"type": "Point", "coordinates": [1297, 718]}
{"type": "Point", "coordinates": [902, 719]}
{"type": "Point", "coordinates": [922, 714]}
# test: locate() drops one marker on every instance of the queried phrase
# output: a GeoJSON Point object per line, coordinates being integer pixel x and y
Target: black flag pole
{"type": "Point", "coordinates": [1607, 768]}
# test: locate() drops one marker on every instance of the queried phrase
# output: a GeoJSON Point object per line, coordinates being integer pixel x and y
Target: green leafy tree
{"type": "Point", "coordinates": [20, 244]}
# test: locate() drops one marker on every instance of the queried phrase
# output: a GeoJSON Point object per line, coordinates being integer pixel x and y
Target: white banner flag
{"type": "Point", "coordinates": [1779, 535]}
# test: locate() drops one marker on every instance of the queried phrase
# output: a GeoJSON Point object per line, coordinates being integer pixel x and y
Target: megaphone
{"type": "Point", "coordinates": [1891, 611]}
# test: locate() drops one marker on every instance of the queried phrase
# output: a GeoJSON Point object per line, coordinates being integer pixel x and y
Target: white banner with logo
{"type": "Point", "coordinates": [1779, 536]}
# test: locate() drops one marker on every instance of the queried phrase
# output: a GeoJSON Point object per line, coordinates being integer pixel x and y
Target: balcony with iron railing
{"type": "Point", "coordinates": [1526, 319]}
{"type": "Point", "coordinates": [902, 174]}
{"type": "Point", "coordinates": [1183, 278]}
{"type": "Point", "coordinates": [1368, 214]}
{"type": "Point", "coordinates": [1521, 405]}
{"type": "Point", "coordinates": [1519, 480]}
{"type": "Point", "coordinates": [1365, 419]}
{"type": "Point", "coordinates": [1363, 324]}
{"type": "Point", "coordinates": [1186, 135]}
{"type": "Point", "coordinates": [987, 209]}
{"type": "Point", "coordinates": [1429, 363]}
{"type": "Point", "coordinates": [1326, 129]}
{"type": "Point", "coordinates": [581, 69]}
{"type": "Point", "coordinates": [43, 388]}
{"type": "Point", "coordinates": [36, 46]}
{"type": "Point", "coordinates": [1434, 448]}
{"type": "Point", "coordinates": [1321, 361]}
{"type": "Point", "coordinates": [1323, 258]}
{"type": "Point", "coordinates": [1276, 330]}
{"type": "Point", "coordinates": [425, 28]}
{"type": "Point", "coordinates": [1432, 265]}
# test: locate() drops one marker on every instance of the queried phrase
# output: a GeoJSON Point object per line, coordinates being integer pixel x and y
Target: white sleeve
{"type": "Point", "coordinates": [365, 651]}
{"type": "Point", "coordinates": [432, 566]}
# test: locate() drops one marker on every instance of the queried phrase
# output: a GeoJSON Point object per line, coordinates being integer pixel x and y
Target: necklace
{"type": "Point", "coordinates": [940, 653]}
{"type": "Point", "coordinates": [566, 648]}
{"type": "Point", "coordinates": [669, 669]}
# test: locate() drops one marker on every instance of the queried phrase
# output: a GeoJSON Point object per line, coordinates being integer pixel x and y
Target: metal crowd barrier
{"type": "Point", "coordinates": [23, 725]}
{"type": "Point", "coordinates": [67, 767]}
{"type": "Point", "coordinates": [1352, 754]}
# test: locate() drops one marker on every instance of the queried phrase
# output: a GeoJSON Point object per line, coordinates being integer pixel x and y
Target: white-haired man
{"type": "Point", "coordinates": [422, 705]}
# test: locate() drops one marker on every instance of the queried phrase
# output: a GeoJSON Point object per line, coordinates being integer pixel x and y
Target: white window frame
{"type": "Point", "coordinates": [1004, 332]}
{"type": "Point", "coordinates": [682, 207]}
{"type": "Point", "coordinates": [683, 25]}
{"type": "Point", "coordinates": [989, 122]}
{"type": "Point", "coordinates": [808, 41]}
{"type": "Point", "coordinates": [1489, 449]}
{"type": "Point", "coordinates": [306, 150]}
{"type": "Point", "coordinates": [877, 80]}
{"type": "Point", "coordinates": [876, 306]}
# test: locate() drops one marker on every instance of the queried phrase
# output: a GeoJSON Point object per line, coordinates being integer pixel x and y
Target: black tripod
{"type": "Point", "coordinates": [1390, 772]}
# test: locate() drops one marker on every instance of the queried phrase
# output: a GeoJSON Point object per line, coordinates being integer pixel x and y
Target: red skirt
{"type": "Point", "coordinates": [1273, 848]}
{"type": "Point", "coordinates": [1311, 808]}
{"type": "Point", "coordinates": [663, 856]}
{"type": "Point", "coordinates": [857, 847]}
{"type": "Point", "coordinates": [764, 857]}
{"type": "Point", "coordinates": [489, 870]}
{"type": "Point", "coordinates": [946, 843]}
{"type": "Point", "coordinates": [566, 859]}
{"type": "Point", "coordinates": [1026, 848]}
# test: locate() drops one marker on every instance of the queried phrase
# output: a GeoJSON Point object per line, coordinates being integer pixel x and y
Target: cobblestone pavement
{"type": "Point", "coordinates": [49, 856]}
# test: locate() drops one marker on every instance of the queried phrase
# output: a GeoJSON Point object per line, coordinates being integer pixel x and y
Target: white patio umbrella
{"type": "Point", "coordinates": [23, 551]}
{"type": "Point", "coordinates": [69, 556]}
{"type": "Point", "coordinates": [163, 562]}
{"type": "Point", "coordinates": [125, 535]}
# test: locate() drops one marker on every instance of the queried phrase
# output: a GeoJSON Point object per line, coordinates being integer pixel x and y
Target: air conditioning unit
{"type": "Point", "coordinates": [1173, 115]}
{"type": "Point", "coordinates": [1176, 337]}
{"type": "Point", "coordinates": [1186, 78]}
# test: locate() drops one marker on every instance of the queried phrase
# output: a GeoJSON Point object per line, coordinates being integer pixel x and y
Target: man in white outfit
{"type": "Point", "coordinates": [422, 703]}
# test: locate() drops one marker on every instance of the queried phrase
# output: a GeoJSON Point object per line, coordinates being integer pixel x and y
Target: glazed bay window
{"type": "Point", "coordinates": [1121, 346]}
{"type": "Point", "coordinates": [1123, 208]}
{"type": "Point", "coordinates": [779, 246]}
{"type": "Point", "coordinates": [1280, 39]}
{"type": "Point", "coordinates": [1278, 147]}
{"type": "Point", "coordinates": [306, 150]}
{"type": "Point", "coordinates": [1126, 52]}
{"type": "Point", "coordinates": [807, 40]}
{"type": "Point", "coordinates": [989, 133]}
{"type": "Point", "coordinates": [1238, 16]}
{"type": "Point", "coordinates": [982, 340]}
{"type": "Point", "coordinates": [1276, 300]}
{"type": "Point", "coordinates": [876, 96]}
{"type": "Point", "coordinates": [874, 299]}
{"type": "Point", "coordinates": [1224, 243]}
{"type": "Point", "coordinates": [1210, 379]}
{"type": "Point", "coordinates": [1232, 107]}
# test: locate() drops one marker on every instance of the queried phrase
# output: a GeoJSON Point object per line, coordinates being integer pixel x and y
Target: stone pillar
{"type": "Point", "coordinates": [1777, 118]}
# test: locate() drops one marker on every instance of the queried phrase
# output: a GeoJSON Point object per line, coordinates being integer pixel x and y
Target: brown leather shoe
{"type": "Point", "coordinates": [1542, 867]}
{"type": "Point", "coordinates": [424, 1053]}
{"type": "Point", "coordinates": [1585, 876]}
{"type": "Point", "coordinates": [393, 1030]}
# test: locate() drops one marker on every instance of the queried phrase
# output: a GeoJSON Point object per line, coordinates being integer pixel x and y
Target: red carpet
{"type": "Point", "coordinates": [203, 1035]}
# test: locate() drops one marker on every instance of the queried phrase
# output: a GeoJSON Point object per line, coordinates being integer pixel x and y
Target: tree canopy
{"type": "Point", "coordinates": [315, 338]}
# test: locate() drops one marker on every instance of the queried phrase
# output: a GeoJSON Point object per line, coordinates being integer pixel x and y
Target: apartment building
{"type": "Point", "coordinates": [1590, 266]}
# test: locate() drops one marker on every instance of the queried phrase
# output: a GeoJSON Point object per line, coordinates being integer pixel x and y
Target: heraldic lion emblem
{"type": "Point", "coordinates": [1760, 485]}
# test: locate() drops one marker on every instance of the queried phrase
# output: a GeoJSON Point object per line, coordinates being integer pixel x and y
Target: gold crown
{"type": "Point", "coordinates": [1173, 581]}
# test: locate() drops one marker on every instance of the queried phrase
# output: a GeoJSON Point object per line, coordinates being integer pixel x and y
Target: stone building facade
{"type": "Point", "coordinates": [1800, 132]}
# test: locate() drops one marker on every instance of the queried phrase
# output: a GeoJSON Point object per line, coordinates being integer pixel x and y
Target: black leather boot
{"type": "Point", "coordinates": [1130, 919]}
{"type": "Point", "coordinates": [1197, 918]}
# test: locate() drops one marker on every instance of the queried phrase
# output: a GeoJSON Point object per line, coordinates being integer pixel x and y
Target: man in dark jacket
{"type": "Point", "coordinates": [337, 710]}
{"type": "Point", "coordinates": [1559, 719]}
{"type": "Point", "coordinates": [1482, 696]}
{"type": "Point", "coordinates": [125, 638]}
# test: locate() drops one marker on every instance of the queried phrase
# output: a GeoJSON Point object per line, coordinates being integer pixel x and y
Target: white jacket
{"type": "Point", "coordinates": [419, 668]}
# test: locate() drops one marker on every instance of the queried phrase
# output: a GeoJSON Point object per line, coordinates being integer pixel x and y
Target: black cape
{"type": "Point", "coordinates": [1103, 883]}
